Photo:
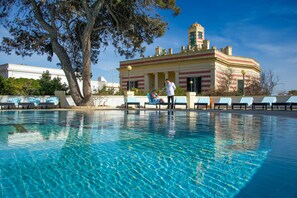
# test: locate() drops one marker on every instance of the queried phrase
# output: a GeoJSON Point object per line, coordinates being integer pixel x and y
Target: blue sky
{"type": "Point", "coordinates": [260, 29]}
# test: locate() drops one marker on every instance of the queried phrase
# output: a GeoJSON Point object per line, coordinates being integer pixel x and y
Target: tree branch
{"type": "Point", "coordinates": [114, 17]}
{"type": "Point", "coordinates": [100, 28]}
{"type": "Point", "coordinates": [86, 8]}
{"type": "Point", "coordinates": [52, 14]}
{"type": "Point", "coordinates": [39, 17]}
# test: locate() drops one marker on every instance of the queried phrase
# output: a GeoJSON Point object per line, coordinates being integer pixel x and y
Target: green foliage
{"type": "Point", "coordinates": [180, 91]}
{"type": "Point", "coordinates": [138, 92]}
{"type": "Point", "coordinates": [170, 4]}
{"type": "Point", "coordinates": [79, 30]}
{"type": "Point", "coordinates": [120, 92]}
{"type": "Point", "coordinates": [177, 92]}
{"type": "Point", "coordinates": [2, 85]}
{"type": "Point", "coordinates": [8, 87]}
{"type": "Point", "coordinates": [19, 86]}
{"type": "Point", "coordinates": [25, 86]}
{"type": "Point", "coordinates": [48, 86]}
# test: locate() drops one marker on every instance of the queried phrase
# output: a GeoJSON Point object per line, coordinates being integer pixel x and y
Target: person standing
{"type": "Point", "coordinates": [170, 87]}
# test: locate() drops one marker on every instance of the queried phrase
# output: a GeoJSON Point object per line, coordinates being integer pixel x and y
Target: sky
{"type": "Point", "coordinates": [265, 30]}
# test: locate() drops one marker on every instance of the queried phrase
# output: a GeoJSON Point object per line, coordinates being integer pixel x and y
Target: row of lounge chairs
{"type": "Point", "coordinates": [224, 102]}
{"type": "Point", "coordinates": [245, 102]}
{"type": "Point", "coordinates": [32, 102]}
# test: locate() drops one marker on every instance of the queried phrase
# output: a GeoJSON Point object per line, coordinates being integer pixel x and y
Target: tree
{"type": "Point", "coordinates": [226, 81]}
{"type": "Point", "coordinates": [76, 31]}
{"type": "Point", "coordinates": [48, 86]}
{"type": "Point", "coordinates": [2, 84]}
{"type": "Point", "coordinates": [292, 92]}
{"type": "Point", "coordinates": [268, 81]}
{"type": "Point", "coordinates": [25, 86]}
{"type": "Point", "coordinates": [253, 87]}
{"type": "Point", "coordinates": [8, 87]}
{"type": "Point", "coordinates": [264, 85]}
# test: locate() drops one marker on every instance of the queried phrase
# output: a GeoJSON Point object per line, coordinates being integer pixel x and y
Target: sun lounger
{"type": "Point", "coordinates": [12, 102]}
{"type": "Point", "coordinates": [291, 102]}
{"type": "Point", "coordinates": [50, 102]}
{"type": "Point", "coordinates": [244, 102]}
{"type": "Point", "coordinates": [32, 103]}
{"type": "Point", "coordinates": [152, 102]}
{"type": "Point", "coordinates": [131, 101]}
{"type": "Point", "coordinates": [181, 101]}
{"type": "Point", "coordinates": [292, 105]}
{"type": "Point", "coordinates": [202, 101]}
{"type": "Point", "coordinates": [266, 101]}
{"type": "Point", "coordinates": [224, 101]}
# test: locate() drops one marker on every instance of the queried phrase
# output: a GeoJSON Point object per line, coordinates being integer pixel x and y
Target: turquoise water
{"type": "Point", "coordinates": [146, 154]}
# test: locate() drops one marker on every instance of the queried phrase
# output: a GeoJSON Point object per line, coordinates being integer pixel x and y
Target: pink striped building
{"type": "Point", "coordinates": [196, 67]}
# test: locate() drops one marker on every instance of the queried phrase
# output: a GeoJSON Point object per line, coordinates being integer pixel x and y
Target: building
{"type": "Point", "coordinates": [33, 72]}
{"type": "Point", "coordinates": [196, 67]}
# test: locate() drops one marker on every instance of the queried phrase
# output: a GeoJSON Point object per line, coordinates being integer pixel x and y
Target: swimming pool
{"type": "Point", "coordinates": [146, 154]}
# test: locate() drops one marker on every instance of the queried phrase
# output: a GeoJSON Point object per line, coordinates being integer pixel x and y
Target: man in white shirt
{"type": "Point", "coordinates": [170, 87]}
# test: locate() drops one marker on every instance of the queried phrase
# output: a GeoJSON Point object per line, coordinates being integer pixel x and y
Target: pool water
{"type": "Point", "coordinates": [146, 154]}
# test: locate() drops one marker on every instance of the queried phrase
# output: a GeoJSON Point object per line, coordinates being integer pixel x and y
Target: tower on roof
{"type": "Point", "coordinates": [196, 35]}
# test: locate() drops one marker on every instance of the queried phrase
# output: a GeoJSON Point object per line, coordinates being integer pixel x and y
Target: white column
{"type": "Point", "coordinates": [191, 99]}
{"type": "Point", "coordinates": [156, 80]}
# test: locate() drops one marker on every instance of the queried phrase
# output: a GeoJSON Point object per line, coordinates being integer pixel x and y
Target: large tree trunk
{"type": "Point", "coordinates": [86, 74]}
{"type": "Point", "coordinates": [77, 97]}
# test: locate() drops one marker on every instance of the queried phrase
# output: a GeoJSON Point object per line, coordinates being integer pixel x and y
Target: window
{"type": "Point", "coordinates": [240, 86]}
{"type": "Point", "coordinates": [196, 86]}
{"type": "Point", "coordinates": [200, 35]}
{"type": "Point", "coordinates": [192, 39]}
{"type": "Point", "coordinates": [133, 84]}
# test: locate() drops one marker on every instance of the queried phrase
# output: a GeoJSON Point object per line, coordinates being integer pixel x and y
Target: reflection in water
{"type": "Point", "coordinates": [123, 153]}
{"type": "Point", "coordinates": [200, 172]}
{"type": "Point", "coordinates": [245, 134]}
{"type": "Point", "coordinates": [171, 124]}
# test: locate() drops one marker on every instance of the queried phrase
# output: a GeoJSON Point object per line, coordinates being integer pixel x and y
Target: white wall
{"type": "Point", "coordinates": [33, 72]}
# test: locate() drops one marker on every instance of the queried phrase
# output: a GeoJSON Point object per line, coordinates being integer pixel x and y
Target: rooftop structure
{"type": "Point", "coordinates": [197, 67]}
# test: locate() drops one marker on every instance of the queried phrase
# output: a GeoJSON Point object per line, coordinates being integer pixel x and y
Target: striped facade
{"type": "Point", "coordinates": [205, 79]}
{"type": "Point", "coordinates": [138, 79]}
{"type": "Point", "coordinates": [195, 68]}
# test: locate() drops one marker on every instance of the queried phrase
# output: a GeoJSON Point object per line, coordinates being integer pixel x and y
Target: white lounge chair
{"type": "Point", "coordinates": [152, 102]}
{"type": "Point", "coordinates": [181, 101]}
{"type": "Point", "coordinates": [132, 101]}
{"type": "Point", "coordinates": [202, 101]}
{"type": "Point", "coordinates": [224, 101]}
{"type": "Point", "coordinates": [291, 102]}
{"type": "Point", "coordinates": [266, 101]}
{"type": "Point", "coordinates": [12, 102]}
{"type": "Point", "coordinates": [32, 102]}
{"type": "Point", "coordinates": [50, 102]}
{"type": "Point", "coordinates": [244, 102]}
